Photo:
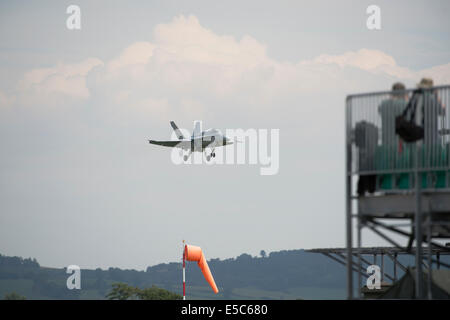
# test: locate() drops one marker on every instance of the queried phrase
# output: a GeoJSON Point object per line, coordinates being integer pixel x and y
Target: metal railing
{"type": "Point", "coordinates": [376, 151]}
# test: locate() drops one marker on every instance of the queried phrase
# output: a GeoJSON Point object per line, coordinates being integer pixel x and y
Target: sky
{"type": "Point", "coordinates": [79, 183]}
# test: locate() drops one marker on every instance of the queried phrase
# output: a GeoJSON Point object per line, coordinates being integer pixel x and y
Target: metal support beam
{"type": "Point", "coordinates": [396, 262]}
{"type": "Point", "coordinates": [385, 237]}
{"type": "Point", "coordinates": [348, 203]}
{"type": "Point", "coordinates": [344, 258]}
{"type": "Point", "coordinates": [418, 227]}
{"type": "Point", "coordinates": [395, 266]}
{"type": "Point", "coordinates": [343, 262]}
{"type": "Point", "coordinates": [429, 253]}
{"type": "Point", "coordinates": [363, 260]}
{"type": "Point", "coordinates": [406, 234]}
{"type": "Point", "coordinates": [360, 268]}
{"type": "Point", "coordinates": [438, 262]}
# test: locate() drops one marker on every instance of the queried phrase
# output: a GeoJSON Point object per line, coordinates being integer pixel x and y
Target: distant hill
{"type": "Point", "coordinates": [293, 274]}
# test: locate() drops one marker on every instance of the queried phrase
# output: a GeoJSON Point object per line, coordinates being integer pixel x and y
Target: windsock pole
{"type": "Point", "coordinates": [184, 271]}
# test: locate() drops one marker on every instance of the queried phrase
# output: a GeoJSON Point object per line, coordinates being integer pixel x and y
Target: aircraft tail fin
{"type": "Point", "coordinates": [197, 131]}
{"type": "Point", "coordinates": [177, 131]}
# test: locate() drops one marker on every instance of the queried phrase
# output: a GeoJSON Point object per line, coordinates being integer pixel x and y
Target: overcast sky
{"type": "Point", "coordinates": [79, 184]}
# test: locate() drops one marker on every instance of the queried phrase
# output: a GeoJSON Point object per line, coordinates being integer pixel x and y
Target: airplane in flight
{"type": "Point", "coordinates": [199, 141]}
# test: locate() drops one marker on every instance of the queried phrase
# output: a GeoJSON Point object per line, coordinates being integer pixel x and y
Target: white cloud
{"type": "Point", "coordinates": [364, 59]}
{"type": "Point", "coordinates": [138, 53]}
{"type": "Point", "coordinates": [184, 39]}
{"type": "Point", "coordinates": [5, 100]}
{"type": "Point", "coordinates": [66, 79]}
{"type": "Point", "coordinates": [192, 69]}
{"type": "Point", "coordinates": [440, 74]}
{"type": "Point", "coordinates": [374, 61]}
{"type": "Point", "coordinates": [187, 62]}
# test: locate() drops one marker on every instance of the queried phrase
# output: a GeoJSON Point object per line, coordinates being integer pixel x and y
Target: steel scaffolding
{"type": "Point", "coordinates": [388, 180]}
{"type": "Point", "coordinates": [393, 253]}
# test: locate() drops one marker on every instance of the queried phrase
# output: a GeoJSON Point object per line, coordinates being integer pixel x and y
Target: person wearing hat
{"type": "Point", "coordinates": [425, 83]}
{"type": "Point", "coordinates": [429, 112]}
{"type": "Point", "coordinates": [389, 109]}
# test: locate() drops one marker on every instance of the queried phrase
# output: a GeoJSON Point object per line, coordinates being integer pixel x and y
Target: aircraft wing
{"type": "Point", "coordinates": [184, 144]}
{"type": "Point", "coordinates": [179, 144]}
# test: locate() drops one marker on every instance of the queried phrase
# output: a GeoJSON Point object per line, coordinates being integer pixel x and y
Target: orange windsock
{"type": "Point", "coordinates": [194, 253]}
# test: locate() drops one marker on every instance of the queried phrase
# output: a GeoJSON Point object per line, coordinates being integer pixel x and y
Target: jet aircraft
{"type": "Point", "coordinates": [199, 141]}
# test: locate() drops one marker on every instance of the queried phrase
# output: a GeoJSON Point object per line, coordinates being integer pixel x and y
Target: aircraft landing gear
{"type": "Point", "coordinates": [211, 155]}
{"type": "Point", "coordinates": [186, 156]}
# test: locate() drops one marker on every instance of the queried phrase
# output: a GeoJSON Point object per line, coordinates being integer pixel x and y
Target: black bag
{"type": "Point", "coordinates": [406, 127]}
